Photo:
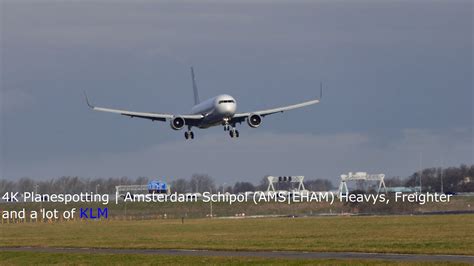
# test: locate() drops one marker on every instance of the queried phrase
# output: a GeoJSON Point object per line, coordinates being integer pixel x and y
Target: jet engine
{"type": "Point", "coordinates": [254, 120]}
{"type": "Point", "coordinates": [177, 123]}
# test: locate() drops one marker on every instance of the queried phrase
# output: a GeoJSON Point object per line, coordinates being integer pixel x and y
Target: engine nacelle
{"type": "Point", "coordinates": [254, 120]}
{"type": "Point", "coordinates": [177, 123]}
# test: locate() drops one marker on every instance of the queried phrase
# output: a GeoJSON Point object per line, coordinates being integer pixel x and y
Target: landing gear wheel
{"type": "Point", "coordinates": [189, 135]}
{"type": "Point", "coordinates": [234, 133]}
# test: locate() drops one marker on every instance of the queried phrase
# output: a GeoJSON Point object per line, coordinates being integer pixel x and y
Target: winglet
{"type": "Point", "coordinates": [87, 101]}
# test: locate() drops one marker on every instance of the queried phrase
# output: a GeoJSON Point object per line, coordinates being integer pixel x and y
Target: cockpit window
{"type": "Point", "coordinates": [226, 101]}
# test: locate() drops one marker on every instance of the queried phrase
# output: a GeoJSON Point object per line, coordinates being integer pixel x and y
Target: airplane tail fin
{"type": "Point", "coordinates": [195, 89]}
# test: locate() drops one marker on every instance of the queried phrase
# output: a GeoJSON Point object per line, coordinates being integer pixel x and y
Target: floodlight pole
{"type": "Point", "coordinates": [210, 201]}
{"type": "Point", "coordinates": [421, 170]}
{"type": "Point", "coordinates": [441, 175]}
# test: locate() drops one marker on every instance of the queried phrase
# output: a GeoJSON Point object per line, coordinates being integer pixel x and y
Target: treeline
{"type": "Point", "coordinates": [68, 184]}
{"type": "Point", "coordinates": [451, 179]}
{"type": "Point", "coordinates": [201, 183]}
{"type": "Point", "coordinates": [196, 183]}
{"type": "Point", "coordinates": [437, 179]}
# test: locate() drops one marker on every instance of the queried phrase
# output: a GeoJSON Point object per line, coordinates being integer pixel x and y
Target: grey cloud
{"type": "Point", "coordinates": [15, 99]}
{"type": "Point", "coordinates": [387, 66]}
{"type": "Point", "coordinates": [258, 154]}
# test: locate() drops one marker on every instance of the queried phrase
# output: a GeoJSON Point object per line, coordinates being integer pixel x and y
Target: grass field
{"type": "Point", "coordinates": [28, 258]}
{"type": "Point", "coordinates": [143, 211]}
{"type": "Point", "coordinates": [448, 234]}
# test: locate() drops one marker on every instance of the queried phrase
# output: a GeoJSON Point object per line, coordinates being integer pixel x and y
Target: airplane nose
{"type": "Point", "coordinates": [228, 109]}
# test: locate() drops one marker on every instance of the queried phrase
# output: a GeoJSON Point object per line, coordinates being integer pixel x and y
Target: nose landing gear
{"type": "Point", "coordinates": [226, 124]}
{"type": "Point", "coordinates": [233, 133]}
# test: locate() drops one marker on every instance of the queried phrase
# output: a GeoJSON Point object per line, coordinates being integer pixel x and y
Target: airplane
{"type": "Point", "coordinates": [216, 111]}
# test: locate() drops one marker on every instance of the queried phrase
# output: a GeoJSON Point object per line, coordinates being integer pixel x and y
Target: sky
{"type": "Point", "coordinates": [397, 75]}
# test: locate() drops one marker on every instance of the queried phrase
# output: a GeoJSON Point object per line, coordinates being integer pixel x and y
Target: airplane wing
{"type": "Point", "coordinates": [145, 115]}
{"type": "Point", "coordinates": [240, 117]}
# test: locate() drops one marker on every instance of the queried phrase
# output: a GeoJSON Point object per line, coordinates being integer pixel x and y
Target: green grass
{"type": "Point", "coordinates": [200, 209]}
{"type": "Point", "coordinates": [436, 234]}
{"type": "Point", "coordinates": [28, 258]}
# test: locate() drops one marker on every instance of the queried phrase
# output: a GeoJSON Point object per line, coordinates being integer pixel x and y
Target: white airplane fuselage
{"type": "Point", "coordinates": [216, 111]}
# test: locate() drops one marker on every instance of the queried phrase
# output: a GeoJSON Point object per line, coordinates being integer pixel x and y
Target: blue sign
{"type": "Point", "coordinates": [157, 186]}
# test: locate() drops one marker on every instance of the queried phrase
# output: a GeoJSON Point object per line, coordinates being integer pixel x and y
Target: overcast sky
{"type": "Point", "coordinates": [397, 76]}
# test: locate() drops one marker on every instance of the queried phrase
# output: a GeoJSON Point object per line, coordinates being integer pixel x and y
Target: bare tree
{"type": "Point", "coordinates": [201, 183]}
{"type": "Point", "coordinates": [141, 180]}
{"type": "Point", "coordinates": [263, 184]}
{"type": "Point", "coordinates": [25, 184]}
{"type": "Point", "coordinates": [395, 181]}
{"type": "Point", "coordinates": [318, 185]}
{"type": "Point", "coordinates": [243, 187]}
{"type": "Point", "coordinates": [180, 185]}
{"type": "Point", "coordinates": [6, 186]}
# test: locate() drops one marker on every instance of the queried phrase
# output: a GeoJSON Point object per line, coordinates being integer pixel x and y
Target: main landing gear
{"type": "Point", "coordinates": [189, 134]}
{"type": "Point", "coordinates": [234, 133]}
